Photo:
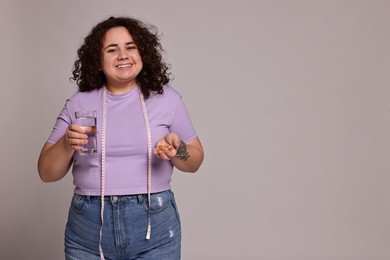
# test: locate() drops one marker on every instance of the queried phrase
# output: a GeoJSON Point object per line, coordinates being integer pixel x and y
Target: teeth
{"type": "Point", "coordinates": [124, 65]}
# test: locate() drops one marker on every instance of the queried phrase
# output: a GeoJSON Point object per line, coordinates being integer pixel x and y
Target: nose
{"type": "Point", "coordinates": [122, 55]}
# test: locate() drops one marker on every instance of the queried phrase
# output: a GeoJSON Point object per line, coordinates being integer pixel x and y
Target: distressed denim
{"type": "Point", "coordinates": [124, 229]}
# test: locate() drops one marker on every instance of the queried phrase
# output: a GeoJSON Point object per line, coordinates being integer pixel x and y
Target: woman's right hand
{"type": "Point", "coordinates": [56, 159]}
{"type": "Point", "coordinates": [75, 137]}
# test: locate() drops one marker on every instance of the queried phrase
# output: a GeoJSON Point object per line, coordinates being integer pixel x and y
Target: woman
{"type": "Point", "coordinates": [122, 206]}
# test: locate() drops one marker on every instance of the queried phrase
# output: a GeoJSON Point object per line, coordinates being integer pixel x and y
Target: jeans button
{"type": "Point", "coordinates": [114, 198]}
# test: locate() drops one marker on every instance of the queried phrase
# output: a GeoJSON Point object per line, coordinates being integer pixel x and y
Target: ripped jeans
{"type": "Point", "coordinates": [124, 229]}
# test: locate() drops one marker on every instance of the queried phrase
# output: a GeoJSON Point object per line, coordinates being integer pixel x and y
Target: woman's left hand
{"type": "Point", "coordinates": [166, 147]}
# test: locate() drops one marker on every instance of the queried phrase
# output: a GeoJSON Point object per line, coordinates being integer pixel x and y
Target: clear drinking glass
{"type": "Point", "coordinates": [87, 120]}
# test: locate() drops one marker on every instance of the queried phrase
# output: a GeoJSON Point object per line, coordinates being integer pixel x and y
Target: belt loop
{"type": "Point", "coordinates": [140, 198]}
{"type": "Point", "coordinates": [88, 198]}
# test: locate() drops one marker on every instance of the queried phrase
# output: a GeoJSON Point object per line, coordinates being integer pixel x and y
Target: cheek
{"type": "Point", "coordinates": [137, 57]}
{"type": "Point", "coordinates": [103, 69]}
{"type": "Point", "coordinates": [105, 64]}
{"type": "Point", "coordinates": [139, 62]}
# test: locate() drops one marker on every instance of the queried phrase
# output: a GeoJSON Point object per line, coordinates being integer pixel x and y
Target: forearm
{"type": "Point", "coordinates": [55, 161]}
{"type": "Point", "coordinates": [193, 159]}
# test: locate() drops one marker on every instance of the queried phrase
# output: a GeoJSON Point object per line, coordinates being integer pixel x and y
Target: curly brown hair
{"type": "Point", "coordinates": [154, 74]}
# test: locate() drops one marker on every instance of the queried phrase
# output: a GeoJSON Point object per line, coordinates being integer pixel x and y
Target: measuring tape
{"type": "Point", "coordinates": [103, 176]}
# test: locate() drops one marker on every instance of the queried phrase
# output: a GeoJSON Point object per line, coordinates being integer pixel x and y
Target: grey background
{"type": "Point", "coordinates": [290, 98]}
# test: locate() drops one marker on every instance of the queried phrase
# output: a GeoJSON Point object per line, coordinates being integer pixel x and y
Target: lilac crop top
{"type": "Point", "coordinates": [126, 140]}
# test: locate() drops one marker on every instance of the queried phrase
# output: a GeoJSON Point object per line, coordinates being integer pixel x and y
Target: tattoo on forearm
{"type": "Point", "coordinates": [181, 151]}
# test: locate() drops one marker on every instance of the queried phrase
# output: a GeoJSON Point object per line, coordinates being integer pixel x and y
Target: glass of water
{"type": "Point", "coordinates": [87, 121]}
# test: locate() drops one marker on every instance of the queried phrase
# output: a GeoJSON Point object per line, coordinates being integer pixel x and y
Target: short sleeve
{"type": "Point", "coordinates": [63, 121]}
{"type": "Point", "coordinates": [181, 122]}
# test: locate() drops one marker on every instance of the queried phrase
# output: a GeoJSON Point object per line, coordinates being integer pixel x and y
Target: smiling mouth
{"type": "Point", "coordinates": [124, 65]}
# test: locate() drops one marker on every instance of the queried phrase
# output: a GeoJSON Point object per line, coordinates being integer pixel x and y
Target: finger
{"type": "Point", "coordinates": [171, 153]}
{"type": "Point", "coordinates": [156, 153]}
{"type": "Point", "coordinates": [164, 156]}
{"type": "Point", "coordinates": [77, 128]}
{"type": "Point", "coordinates": [173, 139]}
{"type": "Point", "coordinates": [75, 140]}
{"type": "Point", "coordinates": [160, 154]}
{"type": "Point", "coordinates": [71, 134]}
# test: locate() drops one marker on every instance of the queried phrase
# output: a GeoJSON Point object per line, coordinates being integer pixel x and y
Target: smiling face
{"type": "Point", "coordinates": [121, 62]}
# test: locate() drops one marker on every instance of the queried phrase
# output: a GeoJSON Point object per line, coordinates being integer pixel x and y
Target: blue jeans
{"type": "Point", "coordinates": [124, 229]}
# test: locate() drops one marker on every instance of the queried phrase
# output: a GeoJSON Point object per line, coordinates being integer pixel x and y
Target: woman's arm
{"type": "Point", "coordinates": [55, 159]}
{"type": "Point", "coordinates": [191, 152]}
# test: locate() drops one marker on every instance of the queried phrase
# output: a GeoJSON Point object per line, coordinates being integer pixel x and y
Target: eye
{"type": "Point", "coordinates": [111, 50]}
{"type": "Point", "coordinates": [132, 47]}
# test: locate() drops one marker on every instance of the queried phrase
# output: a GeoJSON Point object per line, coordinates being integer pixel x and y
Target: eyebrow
{"type": "Point", "coordinates": [116, 45]}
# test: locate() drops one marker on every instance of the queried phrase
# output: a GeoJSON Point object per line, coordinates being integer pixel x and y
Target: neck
{"type": "Point", "coordinates": [117, 90]}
